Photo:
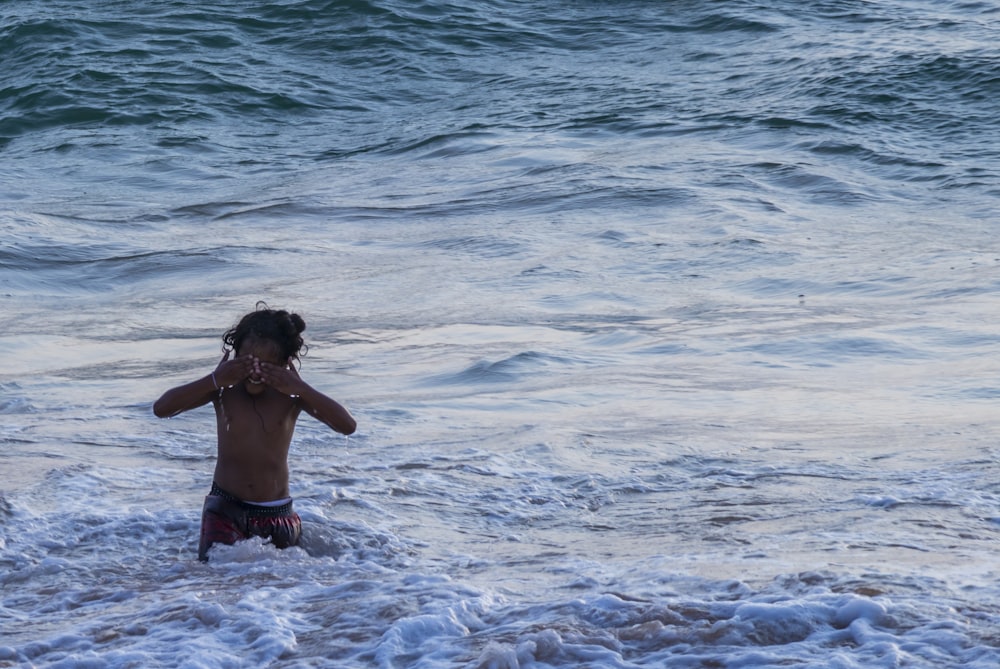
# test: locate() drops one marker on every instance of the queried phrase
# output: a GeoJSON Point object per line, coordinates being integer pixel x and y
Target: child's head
{"type": "Point", "coordinates": [280, 328]}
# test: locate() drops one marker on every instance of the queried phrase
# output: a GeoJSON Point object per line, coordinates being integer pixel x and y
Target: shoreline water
{"type": "Point", "coordinates": [670, 334]}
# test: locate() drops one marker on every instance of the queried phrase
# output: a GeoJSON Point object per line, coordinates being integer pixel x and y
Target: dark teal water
{"type": "Point", "coordinates": [670, 328]}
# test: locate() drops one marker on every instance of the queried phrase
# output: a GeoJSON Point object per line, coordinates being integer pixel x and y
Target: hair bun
{"type": "Point", "coordinates": [300, 325]}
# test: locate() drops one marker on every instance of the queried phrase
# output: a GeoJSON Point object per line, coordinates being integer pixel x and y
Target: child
{"type": "Point", "coordinates": [257, 396]}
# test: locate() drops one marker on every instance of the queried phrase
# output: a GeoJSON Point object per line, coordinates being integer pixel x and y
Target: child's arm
{"type": "Point", "coordinates": [200, 392]}
{"type": "Point", "coordinates": [319, 406]}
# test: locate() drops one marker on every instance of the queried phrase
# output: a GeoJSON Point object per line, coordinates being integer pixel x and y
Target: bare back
{"type": "Point", "coordinates": [255, 432]}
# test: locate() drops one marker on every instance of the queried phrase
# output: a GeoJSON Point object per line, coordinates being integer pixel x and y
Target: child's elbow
{"type": "Point", "coordinates": [349, 427]}
{"type": "Point", "coordinates": [159, 410]}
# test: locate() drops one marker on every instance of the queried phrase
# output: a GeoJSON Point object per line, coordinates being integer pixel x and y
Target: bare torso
{"type": "Point", "coordinates": [255, 432]}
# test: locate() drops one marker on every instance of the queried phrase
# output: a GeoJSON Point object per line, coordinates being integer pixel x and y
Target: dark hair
{"type": "Point", "coordinates": [280, 327]}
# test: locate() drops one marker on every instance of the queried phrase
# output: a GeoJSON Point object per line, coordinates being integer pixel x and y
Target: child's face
{"type": "Point", "coordinates": [261, 350]}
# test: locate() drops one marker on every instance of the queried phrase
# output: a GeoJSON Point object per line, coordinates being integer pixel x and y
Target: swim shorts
{"type": "Point", "coordinates": [226, 519]}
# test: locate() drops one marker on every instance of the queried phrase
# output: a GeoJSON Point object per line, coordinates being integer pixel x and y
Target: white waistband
{"type": "Point", "coordinates": [277, 502]}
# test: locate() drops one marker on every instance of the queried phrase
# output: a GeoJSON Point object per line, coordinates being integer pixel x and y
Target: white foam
{"type": "Point", "coordinates": [120, 582]}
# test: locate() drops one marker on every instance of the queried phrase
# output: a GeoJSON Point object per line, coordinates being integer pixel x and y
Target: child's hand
{"type": "Point", "coordinates": [231, 372]}
{"type": "Point", "coordinates": [283, 379]}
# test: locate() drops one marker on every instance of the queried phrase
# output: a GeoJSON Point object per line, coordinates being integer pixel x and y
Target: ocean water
{"type": "Point", "coordinates": [671, 329]}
